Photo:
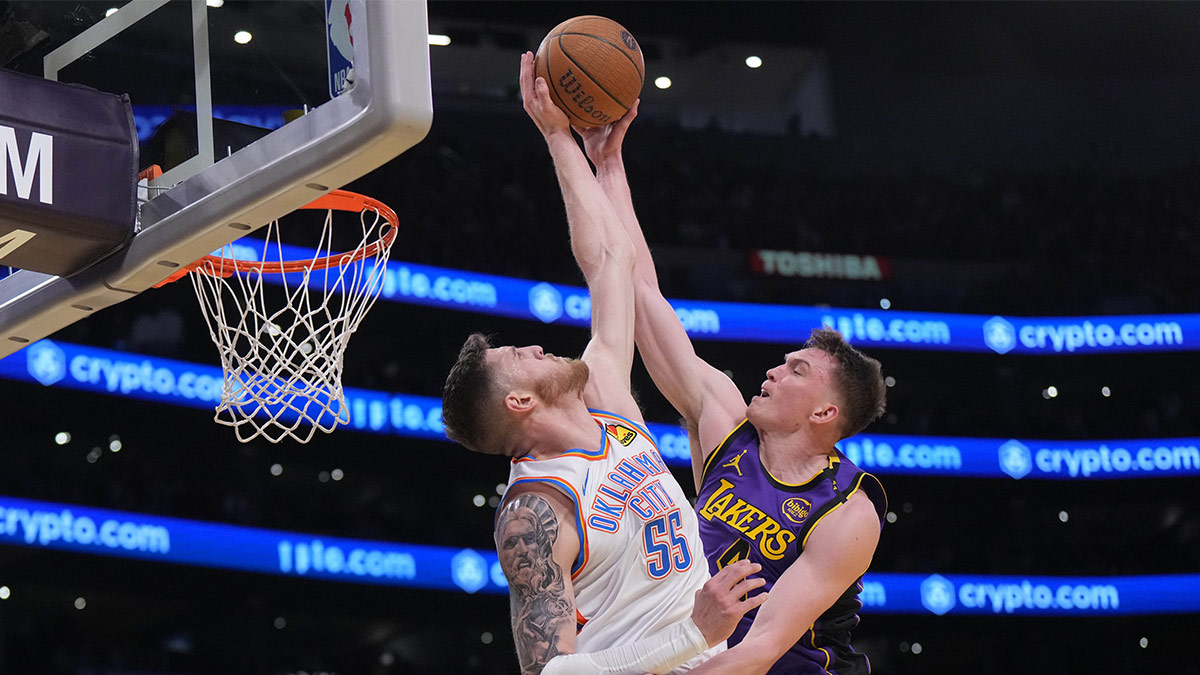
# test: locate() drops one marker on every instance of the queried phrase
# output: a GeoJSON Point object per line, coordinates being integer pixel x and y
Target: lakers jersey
{"type": "Point", "coordinates": [746, 513]}
{"type": "Point", "coordinates": [640, 557]}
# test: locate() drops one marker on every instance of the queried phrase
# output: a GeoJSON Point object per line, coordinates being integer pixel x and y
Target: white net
{"type": "Point", "coordinates": [282, 332]}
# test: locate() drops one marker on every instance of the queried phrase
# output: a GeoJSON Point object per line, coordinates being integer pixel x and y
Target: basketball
{"type": "Point", "coordinates": [594, 69]}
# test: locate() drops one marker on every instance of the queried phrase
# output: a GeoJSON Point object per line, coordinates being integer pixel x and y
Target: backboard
{"type": "Point", "coordinates": [217, 190]}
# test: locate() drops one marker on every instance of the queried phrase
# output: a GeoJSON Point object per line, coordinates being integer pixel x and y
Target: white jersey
{"type": "Point", "coordinates": [640, 557]}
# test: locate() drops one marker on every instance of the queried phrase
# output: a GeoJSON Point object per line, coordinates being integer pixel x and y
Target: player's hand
{"type": "Point", "coordinates": [719, 603]}
{"type": "Point", "coordinates": [535, 94]}
{"type": "Point", "coordinates": [602, 143]}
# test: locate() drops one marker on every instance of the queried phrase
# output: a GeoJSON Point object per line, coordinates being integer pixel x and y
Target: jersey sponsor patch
{"type": "Point", "coordinates": [624, 435]}
{"type": "Point", "coordinates": [796, 509]}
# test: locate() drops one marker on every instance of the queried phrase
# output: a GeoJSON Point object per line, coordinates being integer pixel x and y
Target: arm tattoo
{"type": "Point", "coordinates": [525, 534]}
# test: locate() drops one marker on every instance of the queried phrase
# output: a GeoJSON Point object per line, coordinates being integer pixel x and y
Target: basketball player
{"type": "Point", "coordinates": [772, 486]}
{"type": "Point", "coordinates": [600, 546]}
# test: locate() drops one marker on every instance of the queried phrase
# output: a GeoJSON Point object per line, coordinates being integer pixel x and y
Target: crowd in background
{"type": "Point", "coordinates": [1076, 240]}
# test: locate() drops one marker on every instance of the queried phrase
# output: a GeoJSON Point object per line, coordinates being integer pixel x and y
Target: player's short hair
{"type": "Point", "coordinates": [858, 378]}
{"type": "Point", "coordinates": [469, 407]}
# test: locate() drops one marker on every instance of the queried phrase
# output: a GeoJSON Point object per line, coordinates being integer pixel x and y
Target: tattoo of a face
{"type": "Point", "coordinates": [525, 534]}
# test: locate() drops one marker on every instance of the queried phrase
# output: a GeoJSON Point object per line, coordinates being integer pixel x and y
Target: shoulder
{"type": "Point", "coordinates": [862, 483]}
{"type": "Point", "coordinates": [535, 510]}
{"type": "Point", "coordinates": [853, 523]}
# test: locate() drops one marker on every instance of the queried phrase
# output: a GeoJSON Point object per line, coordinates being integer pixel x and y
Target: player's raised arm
{"type": "Point", "coordinates": [703, 395]}
{"type": "Point", "coordinates": [602, 250]}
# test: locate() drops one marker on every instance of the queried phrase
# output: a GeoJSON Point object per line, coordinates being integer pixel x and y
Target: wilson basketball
{"type": "Point", "coordinates": [594, 69]}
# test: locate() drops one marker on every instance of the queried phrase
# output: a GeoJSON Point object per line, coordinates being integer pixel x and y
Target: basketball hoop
{"type": "Point", "coordinates": [283, 359]}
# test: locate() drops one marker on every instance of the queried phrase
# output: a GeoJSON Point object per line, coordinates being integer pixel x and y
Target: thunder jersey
{"type": "Point", "coordinates": [640, 558]}
{"type": "Point", "coordinates": [746, 513]}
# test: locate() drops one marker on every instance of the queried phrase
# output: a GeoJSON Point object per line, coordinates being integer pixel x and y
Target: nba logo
{"type": "Point", "coordinates": [339, 44]}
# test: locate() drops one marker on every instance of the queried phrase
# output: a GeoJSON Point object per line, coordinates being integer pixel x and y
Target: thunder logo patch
{"type": "Point", "coordinates": [623, 435]}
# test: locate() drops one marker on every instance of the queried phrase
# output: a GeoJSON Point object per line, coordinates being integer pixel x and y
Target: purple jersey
{"type": "Point", "coordinates": [746, 513]}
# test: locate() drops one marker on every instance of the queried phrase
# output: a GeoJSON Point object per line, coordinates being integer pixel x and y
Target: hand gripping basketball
{"type": "Point", "coordinates": [535, 95]}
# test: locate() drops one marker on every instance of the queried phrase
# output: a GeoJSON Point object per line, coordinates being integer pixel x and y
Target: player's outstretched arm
{"type": "Point", "coordinates": [837, 553]}
{"type": "Point", "coordinates": [601, 248]}
{"type": "Point", "coordinates": [708, 401]}
{"type": "Point", "coordinates": [718, 607]}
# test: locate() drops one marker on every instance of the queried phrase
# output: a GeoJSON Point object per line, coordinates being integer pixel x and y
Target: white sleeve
{"type": "Point", "coordinates": [659, 653]}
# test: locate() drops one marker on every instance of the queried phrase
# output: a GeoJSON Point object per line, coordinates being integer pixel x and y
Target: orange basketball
{"type": "Point", "coordinates": [594, 69]}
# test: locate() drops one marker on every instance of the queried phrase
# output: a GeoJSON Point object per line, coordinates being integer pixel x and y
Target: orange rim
{"type": "Point", "coordinates": [337, 200]}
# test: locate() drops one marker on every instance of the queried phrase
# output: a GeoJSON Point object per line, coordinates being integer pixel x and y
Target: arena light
{"type": "Point", "coordinates": [337, 474]}
{"type": "Point", "coordinates": [5, 593]}
{"type": "Point", "coordinates": [884, 303]}
{"type": "Point", "coordinates": [80, 603]}
{"type": "Point", "coordinates": [276, 469]}
{"type": "Point", "coordinates": [439, 40]}
{"type": "Point", "coordinates": [753, 62]}
{"type": "Point", "coordinates": [62, 437]}
{"type": "Point", "coordinates": [110, 11]}
{"type": "Point", "coordinates": [242, 37]}
{"type": "Point", "coordinates": [280, 623]}
{"type": "Point", "coordinates": [662, 82]}
{"type": "Point", "coordinates": [1105, 392]}
{"type": "Point", "coordinates": [215, 3]}
{"type": "Point", "coordinates": [479, 500]}
{"type": "Point", "coordinates": [1143, 643]}
{"type": "Point", "coordinates": [1063, 516]}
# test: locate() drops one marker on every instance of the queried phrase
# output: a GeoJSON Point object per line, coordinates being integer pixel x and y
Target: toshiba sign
{"type": "Point", "coordinates": [808, 265]}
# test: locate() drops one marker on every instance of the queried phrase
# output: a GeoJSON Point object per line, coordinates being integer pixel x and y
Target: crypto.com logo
{"type": "Point", "coordinates": [1015, 459]}
{"type": "Point", "coordinates": [46, 362]}
{"type": "Point", "coordinates": [999, 335]}
{"type": "Point", "coordinates": [545, 302]}
{"type": "Point", "coordinates": [937, 594]}
{"type": "Point", "coordinates": [469, 570]}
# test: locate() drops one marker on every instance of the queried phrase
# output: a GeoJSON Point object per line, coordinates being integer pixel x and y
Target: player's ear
{"type": "Point", "coordinates": [519, 402]}
{"type": "Point", "coordinates": [825, 415]}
